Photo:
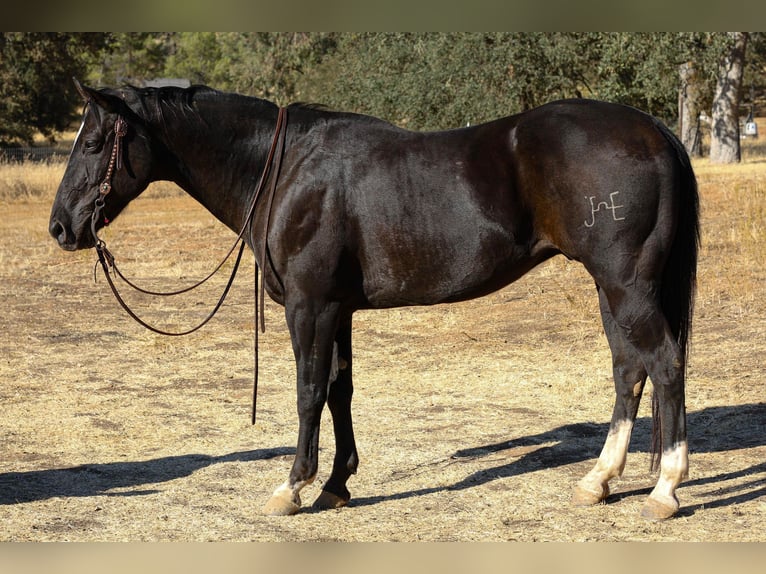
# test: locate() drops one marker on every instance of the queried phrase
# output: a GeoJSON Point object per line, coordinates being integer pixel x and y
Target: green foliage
{"type": "Point", "coordinates": [198, 57]}
{"type": "Point", "coordinates": [433, 81]}
{"type": "Point", "coordinates": [129, 58]}
{"type": "Point", "coordinates": [36, 91]}
{"type": "Point", "coordinates": [420, 80]}
{"type": "Point", "coordinates": [263, 64]}
{"type": "Point", "coordinates": [270, 64]}
{"type": "Point", "coordinates": [424, 81]}
{"type": "Point", "coordinates": [754, 81]}
{"type": "Point", "coordinates": [630, 71]}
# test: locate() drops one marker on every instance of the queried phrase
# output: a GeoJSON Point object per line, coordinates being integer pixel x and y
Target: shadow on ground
{"type": "Point", "coordinates": [101, 479]}
{"type": "Point", "coordinates": [714, 429]}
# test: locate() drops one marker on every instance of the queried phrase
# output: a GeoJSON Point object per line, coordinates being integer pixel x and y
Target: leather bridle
{"type": "Point", "coordinates": [107, 260]}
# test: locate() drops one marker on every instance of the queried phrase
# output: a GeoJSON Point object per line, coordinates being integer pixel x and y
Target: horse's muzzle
{"type": "Point", "coordinates": [66, 237]}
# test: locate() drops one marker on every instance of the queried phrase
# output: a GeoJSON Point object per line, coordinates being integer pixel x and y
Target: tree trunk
{"type": "Point", "coordinates": [724, 135]}
{"type": "Point", "coordinates": [689, 109]}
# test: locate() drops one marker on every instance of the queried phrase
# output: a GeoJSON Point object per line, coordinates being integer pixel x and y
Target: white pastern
{"type": "Point", "coordinates": [611, 461]}
{"type": "Point", "coordinates": [286, 491]}
{"type": "Point", "coordinates": [674, 467]}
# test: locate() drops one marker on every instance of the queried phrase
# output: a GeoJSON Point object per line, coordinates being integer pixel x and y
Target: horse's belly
{"type": "Point", "coordinates": [440, 272]}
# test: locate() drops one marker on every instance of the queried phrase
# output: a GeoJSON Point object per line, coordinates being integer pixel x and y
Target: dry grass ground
{"type": "Point", "coordinates": [474, 421]}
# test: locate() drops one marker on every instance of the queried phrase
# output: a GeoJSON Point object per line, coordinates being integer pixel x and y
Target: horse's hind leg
{"type": "Point", "coordinates": [629, 378]}
{"type": "Point", "coordinates": [637, 314]}
{"type": "Point", "coordinates": [334, 493]}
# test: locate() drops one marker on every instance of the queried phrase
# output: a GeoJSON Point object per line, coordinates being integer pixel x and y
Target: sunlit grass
{"type": "Point", "coordinates": [733, 255]}
{"type": "Point", "coordinates": [28, 181]}
{"type": "Point", "coordinates": [31, 181]}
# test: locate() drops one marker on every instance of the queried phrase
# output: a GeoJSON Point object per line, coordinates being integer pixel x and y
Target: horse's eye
{"type": "Point", "coordinates": [92, 146]}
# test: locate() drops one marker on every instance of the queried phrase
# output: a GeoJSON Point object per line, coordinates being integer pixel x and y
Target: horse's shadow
{"type": "Point", "coordinates": [714, 429]}
{"type": "Point", "coordinates": [102, 479]}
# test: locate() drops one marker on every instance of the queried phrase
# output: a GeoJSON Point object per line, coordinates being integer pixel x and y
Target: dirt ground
{"type": "Point", "coordinates": [474, 421]}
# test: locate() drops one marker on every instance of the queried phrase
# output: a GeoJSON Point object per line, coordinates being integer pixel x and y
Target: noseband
{"type": "Point", "coordinates": [107, 260]}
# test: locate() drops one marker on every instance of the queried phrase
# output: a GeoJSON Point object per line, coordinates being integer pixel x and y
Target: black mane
{"type": "Point", "coordinates": [153, 104]}
{"type": "Point", "coordinates": [311, 106]}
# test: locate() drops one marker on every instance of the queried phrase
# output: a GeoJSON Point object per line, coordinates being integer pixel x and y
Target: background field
{"type": "Point", "coordinates": [474, 421]}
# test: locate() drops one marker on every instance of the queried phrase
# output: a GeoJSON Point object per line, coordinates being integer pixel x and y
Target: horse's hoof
{"type": "Point", "coordinates": [327, 500]}
{"type": "Point", "coordinates": [657, 510]}
{"type": "Point", "coordinates": [584, 497]}
{"type": "Point", "coordinates": [281, 505]}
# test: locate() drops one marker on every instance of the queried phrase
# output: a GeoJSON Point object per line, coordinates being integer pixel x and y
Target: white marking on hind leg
{"type": "Point", "coordinates": [611, 462]}
{"type": "Point", "coordinates": [674, 467]}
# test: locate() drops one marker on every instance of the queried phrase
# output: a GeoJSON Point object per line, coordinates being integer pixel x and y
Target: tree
{"type": "Point", "coordinates": [199, 57]}
{"type": "Point", "coordinates": [697, 72]}
{"type": "Point", "coordinates": [130, 58]}
{"type": "Point", "coordinates": [754, 76]}
{"type": "Point", "coordinates": [421, 80]}
{"type": "Point", "coordinates": [724, 135]}
{"type": "Point", "coordinates": [689, 108]}
{"type": "Point", "coordinates": [36, 91]}
{"type": "Point", "coordinates": [433, 81]}
{"type": "Point", "coordinates": [262, 64]}
{"type": "Point", "coordinates": [271, 63]}
{"type": "Point", "coordinates": [442, 80]}
{"type": "Point", "coordinates": [638, 69]}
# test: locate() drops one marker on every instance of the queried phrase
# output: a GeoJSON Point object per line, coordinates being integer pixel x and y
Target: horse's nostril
{"type": "Point", "coordinates": [57, 231]}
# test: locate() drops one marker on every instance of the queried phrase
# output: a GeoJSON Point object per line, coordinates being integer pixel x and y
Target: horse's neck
{"type": "Point", "coordinates": [220, 160]}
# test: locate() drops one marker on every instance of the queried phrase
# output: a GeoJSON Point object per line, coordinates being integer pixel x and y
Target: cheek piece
{"type": "Point", "coordinates": [115, 162]}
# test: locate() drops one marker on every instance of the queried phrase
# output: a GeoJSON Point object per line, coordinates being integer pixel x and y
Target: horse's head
{"type": "Point", "coordinates": [102, 166]}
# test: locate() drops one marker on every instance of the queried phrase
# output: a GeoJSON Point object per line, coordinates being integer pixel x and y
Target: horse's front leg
{"type": "Point", "coordinates": [312, 329]}
{"type": "Point", "coordinates": [334, 493]}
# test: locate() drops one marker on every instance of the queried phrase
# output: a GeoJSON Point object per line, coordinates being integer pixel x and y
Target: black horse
{"type": "Point", "coordinates": [361, 214]}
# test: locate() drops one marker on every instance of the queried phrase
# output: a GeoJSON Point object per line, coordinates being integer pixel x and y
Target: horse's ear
{"type": "Point", "coordinates": [81, 89]}
{"type": "Point", "coordinates": [105, 101]}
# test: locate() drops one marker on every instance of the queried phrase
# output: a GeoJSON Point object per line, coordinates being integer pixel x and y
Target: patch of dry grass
{"type": "Point", "coordinates": [733, 202]}
{"type": "Point", "coordinates": [29, 181]}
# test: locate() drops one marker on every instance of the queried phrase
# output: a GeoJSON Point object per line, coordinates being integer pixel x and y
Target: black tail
{"type": "Point", "coordinates": [679, 279]}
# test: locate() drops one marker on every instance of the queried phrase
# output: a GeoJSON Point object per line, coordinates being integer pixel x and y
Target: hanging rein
{"type": "Point", "coordinates": [107, 260]}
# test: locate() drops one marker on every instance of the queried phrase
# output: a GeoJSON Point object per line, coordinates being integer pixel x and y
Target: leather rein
{"type": "Point", "coordinates": [107, 260]}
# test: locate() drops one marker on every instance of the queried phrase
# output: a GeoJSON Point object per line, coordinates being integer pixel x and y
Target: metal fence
{"type": "Point", "coordinates": [31, 154]}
